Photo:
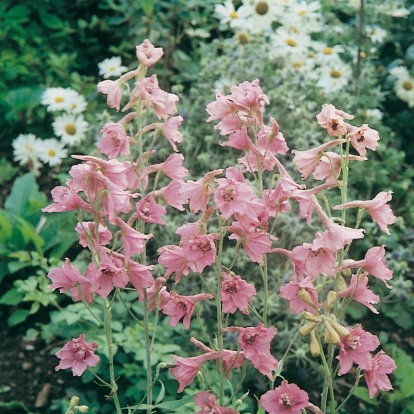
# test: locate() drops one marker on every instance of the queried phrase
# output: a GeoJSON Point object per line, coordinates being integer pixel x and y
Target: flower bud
{"type": "Point", "coordinates": [331, 298]}
{"type": "Point", "coordinates": [73, 401]}
{"type": "Point", "coordinates": [306, 297]}
{"type": "Point", "coordinates": [311, 317]}
{"type": "Point", "coordinates": [342, 283]}
{"type": "Point", "coordinates": [331, 336]}
{"type": "Point", "coordinates": [307, 328]}
{"type": "Point", "coordinates": [341, 330]}
{"type": "Point", "coordinates": [314, 345]}
{"type": "Point", "coordinates": [82, 408]}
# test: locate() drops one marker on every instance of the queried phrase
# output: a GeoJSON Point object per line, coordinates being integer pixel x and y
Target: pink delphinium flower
{"type": "Point", "coordinates": [299, 302]}
{"type": "Point", "coordinates": [90, 232]}
{"type": "Point", "coordinates": [374, 263]}
{"type": "Point", "coordinates": [201, 251]}
{"type": "Point", "coordinates": [363, 137]}
{"type": "Point", "coordinates": [67, 277]}
{"type": "Point", "coordinates": [133, 241]}
{"type": "Point", "coordinates": [171, 132]}
{"type": "Point", "coordinates": [174, 259]}
{"type": "Point", "coordinates": [271, 139]}
{"type": "Point", "coordinates": [236, 293]}
{"type": "Point", "coordinates": [140, 275]}
{"type": "Point", "coordinates": [255, 342]}
{"type": "Point", "coordinates": [199, 192]}
{"type": "Point", "coordinates": [148, 210]}
{"type": "Point", "coordinates": [376, 376]}
{"type": "Point", "coordinates": [66, 199]}
{"type": "Point", "coordinates": [171, 195]}
{"type": "Point", "coordinates": [220, 108]}
{"type": "Point", "coordinates": [356, 348]}
{"type": "Point", "coordinates": [78, 355]}
{"type": "Point", "coordinates": [208, 404]}
{"type": "Point", "coordinates": [255, 243]}
{"type": "Point", "coordinates": [239, 140]}
{"type": "Point", "coordinates": [184, 370]}
{"type": "Point", "coordinates": [113, 90]}
{"type": "Point", "coordinates": [285, 399]}
{"type": "Point", "coordinates": [182, 307]}
{"type": "Point", "coordinates": [332, 120]}
{"type": "Point", "coordinates": [359, 291]}
{"type": "Point", "coordinates": [306, 161]}
{"type": "Point", "coordinates": [114, 140]}
{"type": "Point", "coordinates": [147, 54]}
{"type": "Point", "coordinates": [378, 209]}
{"type": "Point", "coordinates": [157, 295]}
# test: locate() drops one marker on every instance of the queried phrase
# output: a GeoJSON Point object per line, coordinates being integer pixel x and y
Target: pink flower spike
{"type": "Point", "coordinates": [307, 161]}
{"type": "Point", "coordinates": [356, 348]}
{"type": "Point", "coordinates": [208, 404]}
{"type": "Point", "coordinates": [77, 355]}
{"type": "Point", "coordinates": [184, 370]}
{"type": "Point", "coordinates": [147, 54]}
{"type": "Point", "coordinates": [332, 120]}
{"type": "Point", "coordinates": [182, 307]}
{"type": "Point", "coordinates": [236, 293]}
{"type": "Point", "coordinates": [359, 291]}
{"type": "Point", "coordinates": [378, 209]}
{"type": "Point", "coordinates": [362, 138]}
{"type": "Point", "coordinates": [114, 91]}
{"type": "Point", "coordinates": [285, 399]}
{"type": "Point", "coordinates": [114, 140]}
{"type": "Point", "coordinates": [149, 211]}
{"type": "Point", "coordinates": [376, 377]}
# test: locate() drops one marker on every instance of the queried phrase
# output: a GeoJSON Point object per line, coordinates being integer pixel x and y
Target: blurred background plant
{"type": "Point", "coordinates": [357, 55]}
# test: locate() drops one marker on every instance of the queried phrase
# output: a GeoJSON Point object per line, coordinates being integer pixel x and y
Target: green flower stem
{"type": "Point", "coordinates": [328, 384]}
{"type": "Point", "coordinates": [110, 345]}
{"type": "Point", "coordinates": [357, 378]}
{"type": "Point", "coordinates": [147, 351]}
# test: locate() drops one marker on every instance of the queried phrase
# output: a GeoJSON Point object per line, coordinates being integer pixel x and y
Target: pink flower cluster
{"type": "Point", "coordinates": [122, 195]}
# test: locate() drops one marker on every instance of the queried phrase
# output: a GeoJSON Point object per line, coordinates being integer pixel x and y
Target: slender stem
{"type": "Point", "coordinates": [110, 345]}
{"type": "Point", "coordinates": [147, 351]}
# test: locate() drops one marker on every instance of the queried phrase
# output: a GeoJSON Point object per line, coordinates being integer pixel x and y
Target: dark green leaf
{"type": "Point", "coordinates": [51, 21]}
{"type": "Point", "coordinates": [18, 317]}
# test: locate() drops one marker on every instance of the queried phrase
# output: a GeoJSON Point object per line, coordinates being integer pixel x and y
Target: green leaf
{"type": "Point", "coordinates": [161, 395]}
{"type": "Point", "coordinates": [18, 14]}
{"type": "Point", "coordinates": [148, 7]}
{"type": "Point", "coordinates": [25, 200]}
{"type": "Point", "coordinates": [167, 406]}
{"type": "Point", "coordinates": [18, 317]}
{"type": "Point", "coordinates": [12, 297]}
{"type": "Point", "coordinates": [51, 21]}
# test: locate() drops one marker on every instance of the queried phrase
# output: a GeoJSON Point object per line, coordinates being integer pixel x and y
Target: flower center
{"type": "Point", "coordinates": [112, 69]}
{"type": "Point", "coordinates": [70, 129]}
{"type": "Point", "coordinates": [335, 74]}
{"type": "Point", "coordinates": [243, 38]}
{"type": "Point", "coordinates": [59, 99]}
{"type": "Point", "coordinates": [261, 8]}
{"type": "Point", "coordinates": [51, 153]}
{"type": "Point", "coordinates": [29, 149]}
{"type": "Point", "coordinates": [297, 64]}
{"type": "Point", "coordinates": [327, 51]}
{"type": "Point", "coordinates": [291, 42]}
{"type": "Point", "coordinates": [302, 13]}
{"type": "Point", "coordinates": [407, 85]}
{"type": "Point", "coordinates": [233, 15]}
{"type": "Point", "coordinates": [284, 400]}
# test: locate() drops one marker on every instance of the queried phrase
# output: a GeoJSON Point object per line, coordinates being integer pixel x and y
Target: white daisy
{"type": "Point", "coordinates": [70, 128]}
{"type": "Point", "coordinates": [111, 67]}
{"type": "Point", "coordinates": [376, 34]}
{"type": "Point", "coordinates": [404, 89]}
{"type": "Point", "coordinates": [334, 76]}
{"type": "Point", "coordinates": [284, 42]}
{"type": "Point", "coordinates": [301, 14]}
{"type": "Point", "coordinates": [77, 103]}
{"type": "Point", "coordinates": [325, 54]}
{"type": "Point", "coordinates": [298, 63]}
{"type": "Point", "coordinates": [375, 114]}
{"type": "Point", "coordinates": [26, 150]}
{"type": "Point", "coordinates": [52, 151]}
{"type": "Point", "coordinates": [58, 99]}
{"type": "Point", "coordinates": [263, 13]}
{"type": "Point", "coordinates": [229, 15]}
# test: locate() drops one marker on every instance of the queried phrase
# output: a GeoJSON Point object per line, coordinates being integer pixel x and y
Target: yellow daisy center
{"type": "Point", "coordinates": [335, 74]}
{"type": "Point", "coordinates": [261, 8]}
{"type": "Point", "coordinates": [407, 85]}
{"type": "Point", "coordinates": [29, 148]}
{"type": "Point", "coordinates": [291, 42]}
{"type": "Point", "coordinates": [70, 129]}
{"type": "Point", "coordinates": [297, 64]}
{"type": "Point", "coordinates": [112, 69]}
{"type": "Point", "coordinates": [302, 13]}
{"type": "Point", "coordinates": [327, 51]}
{"type": "Point", "coordinates": [243, 38]}
{"type": "Point", "coordinates": [233, 15]}
{"type": "Point", "coordinates": [51, 153]}
{"type": "Point", "coordinates": [59, 99]}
